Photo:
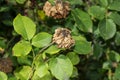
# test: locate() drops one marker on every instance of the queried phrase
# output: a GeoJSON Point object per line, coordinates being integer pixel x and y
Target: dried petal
{"type": "Point", "coordinates": [6, 65]}
{"type": "Point", "coordinates": [59, 10]}
{"type": "Point", "coordinates": [47, 8]}
{"type": "Point", "coordinates": [63, 38]}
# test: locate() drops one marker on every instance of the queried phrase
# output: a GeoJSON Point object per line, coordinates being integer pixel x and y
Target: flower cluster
{"type": "Point", "coordinates": [63, 38]}
{"type": "Point", "coordinates": [58, 11]}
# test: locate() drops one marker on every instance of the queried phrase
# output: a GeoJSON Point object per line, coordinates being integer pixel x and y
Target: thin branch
{"type": "Point", "coordinates": [43, 50]}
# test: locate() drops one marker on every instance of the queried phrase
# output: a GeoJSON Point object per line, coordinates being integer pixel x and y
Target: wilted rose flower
{"type": "Point", "coordinates": [6, 65]}
{"type": "Point", "coordinates": [59, 10]}
{"type": "Point", "coordinates": [63, 38]}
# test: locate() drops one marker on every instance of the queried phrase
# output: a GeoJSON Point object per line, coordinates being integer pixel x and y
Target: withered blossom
{"type": "Point", "coordinates": [6, 65]}
{"type": "Point", "coordinates": [59, 10]}
{"type": "Point", "coordinates": [62, 37]}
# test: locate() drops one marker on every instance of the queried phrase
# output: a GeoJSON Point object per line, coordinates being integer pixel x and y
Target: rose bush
{"type": "Point", "coordinates": [59, 40]}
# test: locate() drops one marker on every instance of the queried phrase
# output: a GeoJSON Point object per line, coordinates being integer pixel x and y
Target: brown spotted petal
{"type": "Point", "coordinates": [63, 38]}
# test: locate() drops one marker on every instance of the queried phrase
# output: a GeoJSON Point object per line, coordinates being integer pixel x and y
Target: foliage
{"type": "Point", "coordinates": [26, 38]}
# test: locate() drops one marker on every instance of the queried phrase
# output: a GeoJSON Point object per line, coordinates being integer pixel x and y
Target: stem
{"type": "Point", "coordinates": [10, 42]}
{"type": "Point", "coordinates": [37, 56]}
{"type": "Point", "coordinates": [109, 74]}
{"type": "Point", "coordinates": [33, 53]}
{"type": "Point", "coordinates": [7, 47]}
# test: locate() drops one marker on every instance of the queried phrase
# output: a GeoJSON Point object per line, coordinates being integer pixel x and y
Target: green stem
{"type": "Point", "coordinates": [10, 42]}
{"type": "Point", "coordinates": [7, 47]}
{"type": "Point", "coordinates": [37, 56]}
{"type": "Point", "coordinates": [33, 52]}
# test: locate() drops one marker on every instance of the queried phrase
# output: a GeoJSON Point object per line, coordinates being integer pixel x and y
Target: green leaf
{"type": "Point", "coordinates": [4, 8]}
{"type": "Point", "coordinates": [110, 1]}
{"type": "Point", "coordinates": [41, 39]}
{"type": "Point", "coordinates": [24, 26]}
{"type": "Point", "coordinates": [61, 67]}
{"type": "Point", "coordinates": [41, 70]}
{"type": "Point", "coordinates": [24, 60]}
{"type": "Point", "coordinates": [12, 78]}
{"type": "Point", "coordinates": [3, 76]}
{"type": "Point", "coordinates": [23, 73]}
{"type": "Point", "coordinates": [22, 48]}
{"type": "Point", "coordinates": [74, 2]}
{"type": "Point", "coordinates": [75, 31]}
{"type": "Point", "coordinates": [98, 50]}
{"type": "Point", "coordinates": [39, 61]}
{"type": "Point", "coordinates": [115, 5]}
{"type": "Point", "coordinates": [117, 73]}
{"type": "Point", "coordinates": [75, 72]}
{"type": "Point", "coordinates": [106, 65]}
{"type": "Point", "coordinates": [107, 28]}
{"type": "Point", "coordinates": [46, 77]}
{"type": "Point", "coordinates": [2, 43]}
{"type": "Point", "coordinates": [115, 17]}
{"type": "Point", "coordinates": [80, 37]}
{"type": "Point", "coordinates": [52, 2]}
{"type": "Point", "coordinates": [8, 22]}
{"type": "Point", "coordinates": [73, 57]}
{"type": "Point", "coordinates": [97, 12]}
{"type": "Point", "coordinates": [114, 56]}
{"type": "Point", "coordinates": [20, 1]}
{"type": "Point", "coordinates": [82, 47]}
{"type": "Point", "coordinates": [82, 20]}
{"type": "Point", "coordinates": [104, 3]}
{"type": "Point", "coordinates": [117, 38]}
{"type": "Point", "coordinates": [52, 49]}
